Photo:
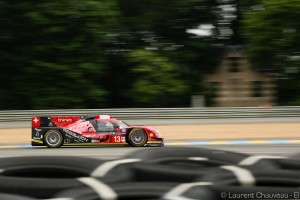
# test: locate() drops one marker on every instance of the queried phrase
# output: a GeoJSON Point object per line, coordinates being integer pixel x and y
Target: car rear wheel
{"type": "Point", "coordinates": [137, 138]}
{"type": "Point", "coordinates": [53, 139]}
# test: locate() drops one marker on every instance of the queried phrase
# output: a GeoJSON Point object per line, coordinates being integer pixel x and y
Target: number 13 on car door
{"type": "Point", "coordinates": [118, 139]}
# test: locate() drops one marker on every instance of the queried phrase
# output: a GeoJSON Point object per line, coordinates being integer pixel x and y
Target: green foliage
{"type": "Point", "coordinates": [162, 25]}
{"type": "Point", "coordinates": [52, 53]}
{"type": "Point", "coordinates": [210, 92]}
{"type": "Point", "coordinates": [156, 83]}
{"type": "Point", "coordinates": [169, 18]}
{"type": "Point", "coordinates": [273, 34]}
{"type": "Point", "coordinates": [273, 43]}
{"type": "Point", "coordinates": [119, 53]}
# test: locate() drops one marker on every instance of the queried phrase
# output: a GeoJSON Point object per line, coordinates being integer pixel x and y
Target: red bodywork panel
{"type": "Point", "coordinates": [62, 121]}
{"type": "Point", "coordinates": [35, 122]}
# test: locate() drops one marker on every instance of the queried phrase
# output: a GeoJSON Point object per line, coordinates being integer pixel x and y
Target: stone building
{"type": "Point", "coordinates": [236, 84]}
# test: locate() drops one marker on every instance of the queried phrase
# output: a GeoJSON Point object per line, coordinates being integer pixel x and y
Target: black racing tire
{"type": "Point", "coordinates": [48, 166]}
{"type": "Point", "coordinates": [289, 164]}
{"type": "Point", "coordinates": [157, 154]}
{"type": "Point", "coordinates": [187, 163]}
{"type": "Point", "coordinates": [6, 196]}
{"type": "Point", "coordinates": [266, 178]}
{"type": "Point", "coordinates": [61, 167]}
{"type": "Point", "coordinates": [137, 137]}
{"type": "Point", "coordinates": [41, 177]}
{"type": "Point", "coordinates": [224, 192]}
{"type": "Point", "coordinates": [53, 139]}
{"type": "Point", "coordinates": [130, 190]}
{"type": "Point", "coordinates": [213, 157]}
{"type": "Point", "coordinates": [37, 187]}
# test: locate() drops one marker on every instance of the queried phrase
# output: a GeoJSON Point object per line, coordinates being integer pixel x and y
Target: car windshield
{"type": "Point", "coordinates": [122, 124]}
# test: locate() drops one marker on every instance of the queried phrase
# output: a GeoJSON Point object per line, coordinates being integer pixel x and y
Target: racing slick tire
{"type": "Point", "coordinates": [137, 137]}
{"type": "Point", "coordinates": [53, 139]}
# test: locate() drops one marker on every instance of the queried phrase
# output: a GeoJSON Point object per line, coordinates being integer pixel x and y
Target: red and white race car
{"type": "Point", "coordinates": [55, 131]}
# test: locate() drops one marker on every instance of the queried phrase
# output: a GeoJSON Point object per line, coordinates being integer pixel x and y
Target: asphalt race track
{"type": "Point", "coordinates": [103, 152]}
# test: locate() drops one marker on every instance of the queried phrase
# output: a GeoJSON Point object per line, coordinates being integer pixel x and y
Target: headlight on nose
{"type": "Point", "coordinates": [157, 132]}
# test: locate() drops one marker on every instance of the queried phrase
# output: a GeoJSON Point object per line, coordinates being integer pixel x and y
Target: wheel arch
{"type": "Point", "coordinates": [127, 134]}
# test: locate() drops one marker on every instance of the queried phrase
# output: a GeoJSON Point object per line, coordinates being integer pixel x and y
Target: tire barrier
{"type": "Point", "coordinates": [168, 173]}
{"type": "Point", "coordinates": [156, 163]}
{"type": "Point", "coordinates": [14, 197]}
{"type": "Point", "coordinates": [40, 177]}
{"type": "Point", "coordinates": [132, 190]}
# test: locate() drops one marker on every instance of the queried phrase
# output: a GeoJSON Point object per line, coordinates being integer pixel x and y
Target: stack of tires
{"type": "Point", "coordinates": [158, 173]}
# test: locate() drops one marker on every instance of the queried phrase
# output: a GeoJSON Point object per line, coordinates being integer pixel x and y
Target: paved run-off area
{"type": "Point", "coordinates": [200, 132]}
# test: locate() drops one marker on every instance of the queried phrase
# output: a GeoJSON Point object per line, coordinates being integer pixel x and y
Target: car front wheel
{"type": "Point", "coordinates": [137, 138]}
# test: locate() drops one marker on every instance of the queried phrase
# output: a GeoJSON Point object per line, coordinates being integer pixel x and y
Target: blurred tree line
{"type": "Point", "coordinates": [118, 53]}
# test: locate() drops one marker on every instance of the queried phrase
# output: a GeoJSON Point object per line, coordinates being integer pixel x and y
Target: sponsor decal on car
{"type": "Point", "coordinates": [118, 139]}
{"type": "Point", "coordinates": [36, 120]}
{"type": "Point", "coordinates": [37, 133]}
{"type": "Point", "coordinates": [79, 138]}
{"type": "Point", "coordinates": [62, 119]}
{"type": "Point", "coordinates": [37, 141]}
